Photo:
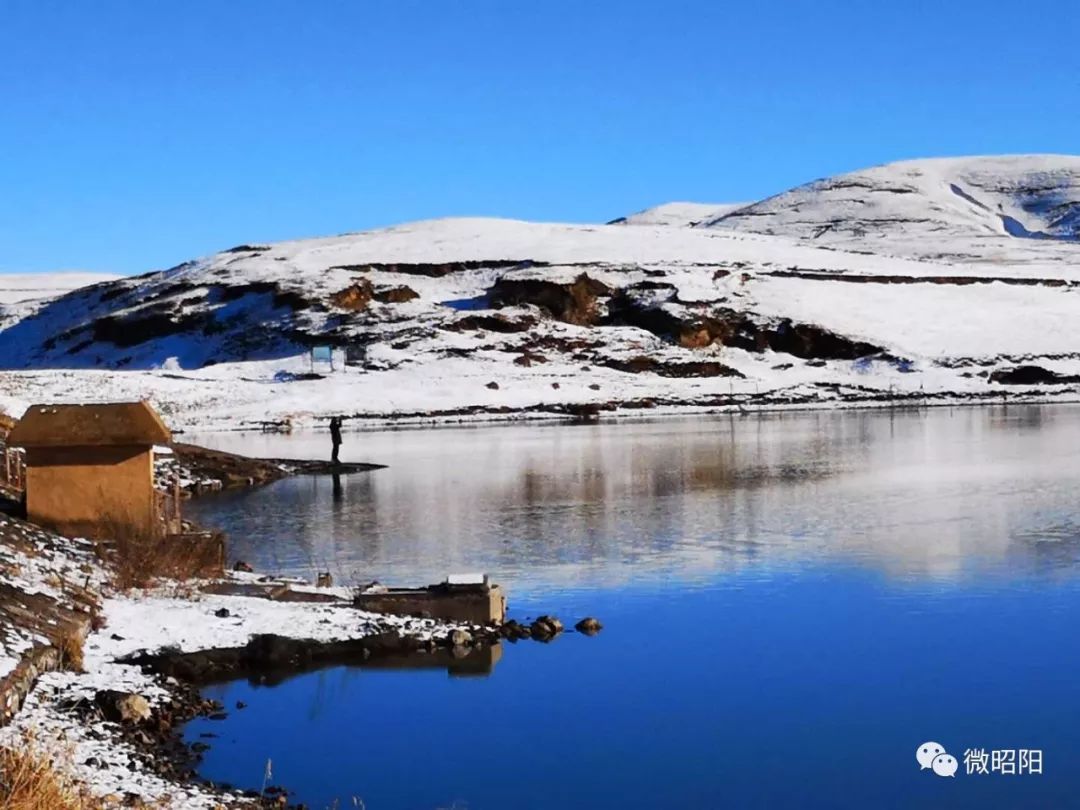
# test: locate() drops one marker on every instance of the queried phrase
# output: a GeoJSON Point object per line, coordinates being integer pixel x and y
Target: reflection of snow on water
{"type": "Point", "coordinates": [940, 494]}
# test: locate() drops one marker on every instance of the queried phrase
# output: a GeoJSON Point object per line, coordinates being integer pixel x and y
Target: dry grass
{"type": "Point", "coordinates": [31, 780]}
{"type": "Point", "coordinates": [70, 644]}
{"type": "Point", "coordinates": [139, 562]}
{"type": "Point", "coordinates": [141, 559]}
{"type": "Point", "coordinates": [28, 781]}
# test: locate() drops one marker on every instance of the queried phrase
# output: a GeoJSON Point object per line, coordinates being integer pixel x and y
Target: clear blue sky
{"type": "Point", "coordinates": [137, 134]}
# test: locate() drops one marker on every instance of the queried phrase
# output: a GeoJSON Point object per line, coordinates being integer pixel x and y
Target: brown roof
{"type": "Point", "coordinates": [119, 423]}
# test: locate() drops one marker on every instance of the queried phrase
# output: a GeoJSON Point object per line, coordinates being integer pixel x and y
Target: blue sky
{"type": "Point", "coordinates": [135, 135]}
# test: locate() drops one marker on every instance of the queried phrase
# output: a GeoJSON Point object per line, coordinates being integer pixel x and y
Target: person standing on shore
{"type": "Point", "coordinates": [335, 437]}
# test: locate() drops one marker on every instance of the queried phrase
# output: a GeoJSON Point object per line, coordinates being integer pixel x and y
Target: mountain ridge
{"type": "Point", "coordinates": [935, 199]}
{"type": "Point", "coordinates": [462, 317]}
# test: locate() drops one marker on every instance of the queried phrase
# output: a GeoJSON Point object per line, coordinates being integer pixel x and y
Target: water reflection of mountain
{"type": "Point", "coordinates": [934, 493]}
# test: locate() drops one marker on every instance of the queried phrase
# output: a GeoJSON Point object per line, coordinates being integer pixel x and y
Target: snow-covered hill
{"type": "Point", "coordinates": [460, 318]}
{"type": "Point", "coordinates": [22, 293]}
{"type": "Point", "coordinates": [951, 208]}
{"type": "Point", "coordinates": [18, 287]}
{"type": "Point", "coordinates": [678, 214]}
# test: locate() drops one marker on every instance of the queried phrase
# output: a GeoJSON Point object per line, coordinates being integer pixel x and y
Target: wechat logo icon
{"type": "Point", "coordinates": [932, 755]}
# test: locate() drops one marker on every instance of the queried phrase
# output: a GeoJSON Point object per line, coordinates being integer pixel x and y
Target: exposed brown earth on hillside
{"type": "Point", "coordinates": [575, 302]}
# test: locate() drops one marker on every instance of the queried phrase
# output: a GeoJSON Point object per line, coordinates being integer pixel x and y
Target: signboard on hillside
{"type": "Point", "coordinates": [322, 356]}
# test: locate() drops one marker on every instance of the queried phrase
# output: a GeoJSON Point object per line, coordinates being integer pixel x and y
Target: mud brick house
{"type": "Point", "coordinates": [90, 468]}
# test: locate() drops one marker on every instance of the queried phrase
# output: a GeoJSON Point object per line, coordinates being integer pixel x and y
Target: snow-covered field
{"type": "Point", "coordinates": [925, 278]}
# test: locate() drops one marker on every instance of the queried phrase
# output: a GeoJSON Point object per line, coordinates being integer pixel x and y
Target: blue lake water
{"type": "Point", "coordinates": [792, 605]}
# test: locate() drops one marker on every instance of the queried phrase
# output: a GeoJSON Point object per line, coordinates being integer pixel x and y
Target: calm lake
{"type": "Point", "coordinates": [792, 605]}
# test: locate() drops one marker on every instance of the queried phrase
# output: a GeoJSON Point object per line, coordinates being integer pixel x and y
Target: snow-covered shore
{"type": "Point", "coordinates": [59, 714]}
{"type": "Point", "coordinates": [217, 399]}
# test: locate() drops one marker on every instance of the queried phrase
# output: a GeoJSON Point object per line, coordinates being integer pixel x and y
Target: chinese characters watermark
{"type": "Point", "coordinates": [1005, 761]}
{"type": "Point", "coordinates": [978, 761]}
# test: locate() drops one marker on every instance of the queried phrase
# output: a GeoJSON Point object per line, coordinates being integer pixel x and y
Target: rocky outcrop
{"type": "Point", "coordinates": [671, 368]}
{"type": "Point", "coordinates": [436, 270]}
{"type": "Point", "coordinates": [491, 323]}
{"type": "Point", "coordinates": [396, 295]}
{"type": "Point", "coordinates": [248, 249]}
{"type": "Point", "coordinates": [576, 302]}
{"type": "Point", "coordinates": [146, 324]}
{"type": "Point", "coordinates": [589, 626]}
{"type": "Point", "coordinates": [279, 296]}
{"type": "Point", "coordinates": [1031, 375]}
{"type": "Point", "coordinates": [545, 628]}
{"type": "Point", "coordinates": [803, 340]}
{"type": "Point", "coordinates": [728, 327]}
{"type": "Point", "coordinates": [122, 707]}
{"type": "Point", "coordinates": [355, 297]}
{"type": "Point", "coordinates": [883, 278]}
{"type": "Point", "coordinates": [358, 295]}
{"type": "Point", "coordinates": [688, 331]}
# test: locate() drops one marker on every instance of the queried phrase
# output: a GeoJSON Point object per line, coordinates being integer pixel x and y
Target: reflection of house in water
{"type": "Point", "coordinates": [90, 468]}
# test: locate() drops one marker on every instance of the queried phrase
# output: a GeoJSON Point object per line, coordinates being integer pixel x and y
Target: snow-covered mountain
{"type": "Point", "coordinates": [936, 280]}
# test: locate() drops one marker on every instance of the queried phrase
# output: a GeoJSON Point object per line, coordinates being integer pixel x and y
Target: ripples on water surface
{"type": "Point", "coordinates": [793, 603]}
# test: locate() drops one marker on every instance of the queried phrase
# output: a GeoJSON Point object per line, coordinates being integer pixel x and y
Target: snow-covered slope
{"type": "Point", "coordinates": [484, 317]}
{"type": "Point", "coordinates": [678, 214]}
{"type": "Point", "coordinates": [16, 287]}
{"type": "Point", "coordinates": [23, 293]}
{"type": "Point", "coordinates": [263, 301]}
{"type": "Point", "coordinates": [954, 208]}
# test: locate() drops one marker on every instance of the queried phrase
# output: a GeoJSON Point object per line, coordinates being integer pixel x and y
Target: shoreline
{"type": "Point", "coordinates": [361, 423]}
{"type": "Point", "coordinates": [111, 714]}
{"type": "Point", "coordinates": [197, 469]}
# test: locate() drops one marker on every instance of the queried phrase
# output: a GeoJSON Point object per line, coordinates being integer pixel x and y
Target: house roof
{"type": "Point", "coordinates": [98, 425]}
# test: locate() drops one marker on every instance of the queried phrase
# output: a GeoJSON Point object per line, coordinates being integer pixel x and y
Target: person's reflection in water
{"type": "Point", "coordinates": [339, 493]}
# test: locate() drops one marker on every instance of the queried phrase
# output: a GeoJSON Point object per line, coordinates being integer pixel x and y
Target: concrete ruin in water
{"type": "Point", "coordinates": [462, 597]}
